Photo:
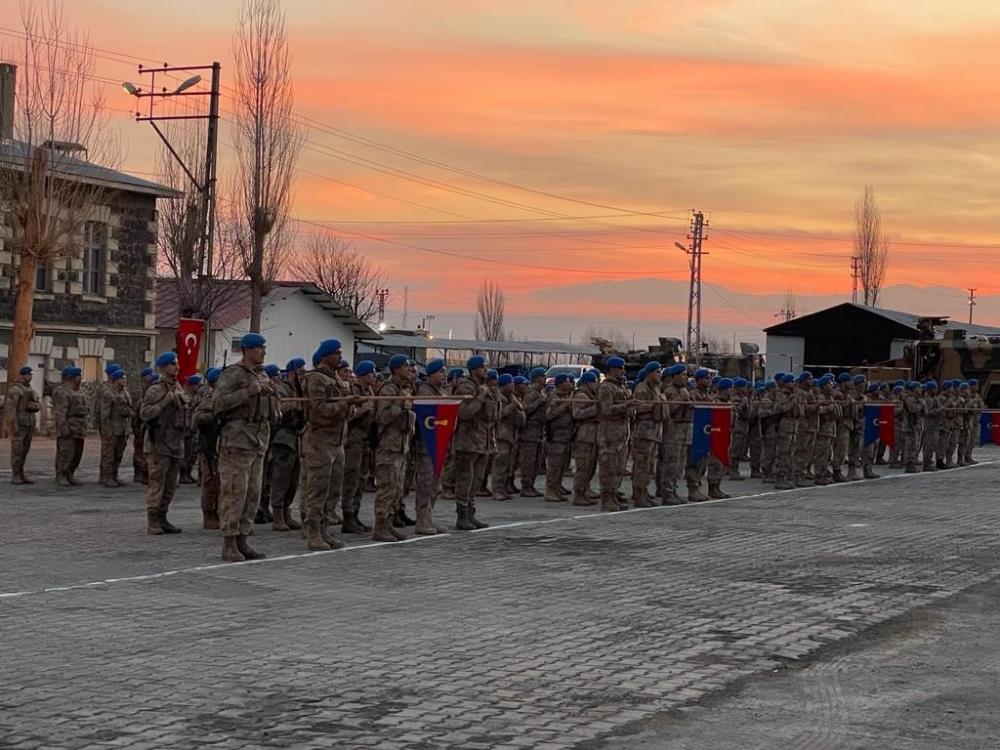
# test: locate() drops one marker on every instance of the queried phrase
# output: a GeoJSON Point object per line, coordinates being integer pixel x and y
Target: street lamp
{"type": "Point", "coordinates": [192, 81]}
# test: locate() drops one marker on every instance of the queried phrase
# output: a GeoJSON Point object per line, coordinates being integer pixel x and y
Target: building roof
{"type": "Point", "coordinates": [234, 304]}
{"type": "Point", "coordinates": [16, 154]}
{"type": "Point", "coordinates": [907, 323]}
{"type": "Point", "coordinates": [403, 341]}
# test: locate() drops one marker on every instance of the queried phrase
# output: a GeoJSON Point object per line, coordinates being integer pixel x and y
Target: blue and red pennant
{"type": "Point", "coordinates": [880, 424]}
{"type": "Point", "coordinates": [989, 427]}
{"type": "Point", "coordinates": [436, 420]}
{"type": "Point", "coordinates": [712, 430]}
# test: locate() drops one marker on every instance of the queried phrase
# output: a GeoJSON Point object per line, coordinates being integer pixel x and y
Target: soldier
{"type": "Point", "coordinates": [140, 471]}
{"type": "Point", "coordinates": [713, 464]}
{"type": "Point", "coordinates": [932, 414]}
{"type": "Point", "coordinates": [913, 410]}
{"type": "Point", "coordinates": [428, 487]}
{"type": "Point", "coordinates": [284, 463]}
{"type": "Point", "coordinates": [695, 470]}
{"type": "Point", "coordinates": [165, 412]}
{"type": "Point", "coordinates": [509, 426]}
{"type": "Point", "coordinates": [856, 405]}
{"type": "Point", "coordinates": [245, 403]}
{"type": "Point", "coordinates": [22, 406]}
{"type": "Point", "coordinates": [559, 436]}
{"type": "Point", "coordinates": [957, 424]}
{"type": "Point", "coordinates": [898, 451]}
{"type": "Point", "coordinates": [190, 458]}
{"type": "Point", "coordinates": [828, 413]}
{"type": "Point", "coordinates": [357, 465]}
{"type": "Point", "coordinates": [805, 431]}
{"type": "Point", "coordinates": [116, 411]}
{"type": "Point", "coordinates": [612, 433]}
{"type": "Point", "coordinates": [471, 440]}
{"type": "Point", "coordinates": [786, 408]}
{"type": "Point", "coordinates": [264, 515]}
{"type": "Point", "coordinates": [533, 434]}
{"type": "Point", "coordinates": [448, 471]}
{"type": "Point", "coordinates": [677, 437]}
{"type": "Point", "coordinates": [647, 431]}
{"type": "Point", "coordinates": [974, 408]}
{"type": "Point", "coordinates": [741, 428]}
{"type": "Point", "coordinates": [208, 454]}
{"type": "Point", "coordinates": [586, 411]}
{"type": "Point", "coordinates": [395, 421]}
{"type": "Point", "coordinates": [845, 426]}
{"type": "Point", "coordinates": [71, 413]}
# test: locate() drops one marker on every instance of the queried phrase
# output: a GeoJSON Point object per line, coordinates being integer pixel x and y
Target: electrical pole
{"type": "Point", "coordinates": [383, 295]}
{"type": "Point", "coordinates": [406, 304]}
{"type": "Point", "coordinates": [855, 275]}
{"type": "Point", "coordinates": [972, 303]}
{"type": "Point", "coordinates": [694, 252]}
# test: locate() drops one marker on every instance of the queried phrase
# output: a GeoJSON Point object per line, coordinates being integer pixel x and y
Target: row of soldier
{"type": "Point", "coordinates": [261, 435]}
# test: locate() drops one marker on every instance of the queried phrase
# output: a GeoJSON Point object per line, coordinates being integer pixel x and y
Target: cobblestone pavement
{"type": "Point", "coordinates": [552, 629]}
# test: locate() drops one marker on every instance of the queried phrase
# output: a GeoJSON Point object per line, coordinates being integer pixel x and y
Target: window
{"type": "Point", "coordinates": [94, 243]}
{"type": "Point", "coordinates": [235, 347]}
{"type": "Point", "coordinates": [91, 369]}
{"type": "Point", "coordinates": [43, 278]}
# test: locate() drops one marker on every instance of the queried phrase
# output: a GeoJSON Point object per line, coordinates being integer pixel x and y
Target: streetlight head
{"type": "Point", "coordinates": [679, 246]}
{"type": "Point", "coordinates": [130, 88]}
{"type": "Point", "coordinates": [192, 81]}
{"type": "Point", "coordinates": [381, 326]}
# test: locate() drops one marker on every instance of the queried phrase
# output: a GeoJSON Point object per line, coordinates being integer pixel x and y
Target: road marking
{"type": "Point", "coordinates": [493, 528]}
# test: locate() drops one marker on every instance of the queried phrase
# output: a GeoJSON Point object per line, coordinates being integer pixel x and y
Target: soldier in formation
{"type": "Point", "coordinates": [22, 406]}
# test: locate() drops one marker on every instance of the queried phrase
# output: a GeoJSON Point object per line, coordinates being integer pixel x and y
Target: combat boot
{"type": "Point", "coordinates": [641, 502]}
{"type": "Point", "coordinates": [564, 491]}
{"type": "Point", "coordinates": [279, 521]}
{"type": "Point", "coordinates": [869, 473]}
{"type": "Point", "coordinates": [823, 481]}
{"type": "Point", "coordinates": [583, 501]}
{"type": "Point", "coordinates": [72, 480]}
{"type": "Point", "coordinates": [838, 476]}
{"type": "Point", "coordinates": [350, 524]}
{"type": "Point", "coordinates": [168, 528]}
{"type": "Point", "coordinates": [61, 480]}
{"type": "Point", "coordinates": [289, 519]}
{"type": "Point", "coordinates": [783, 484]}
{"type": "Point", "coordinates": [462, 522]}
{"type": "Point", "coordinates": [556, 499]}
{"type": "Point", "coordinates": [734, 474]}
{"type": "Point", "coordinates": [530, 492]}
{"type": "Point", "coordinates": [401, 519]}
{"type": "Point", "coordinates": [424, 525]}
{"type": "Point", "coordinates": [694, 494]}
{"type": "Point", "coordinates": [399, 535]}
{"type": "Point", "coordinates": [911, 469]}
{"type": "Point", "coordinates": [852, 474]}
{"type": "Point", "coordinates": [314, 539]}
{"type": "Point", "coordinates": [804, 481]}
{"type": "Point", "coordinates": [248, 552]}
{"type": "Point", "coordinates": [230, 552]}
{"type": "Point", "coordinates": [153, 525]}
{"type": "Point", "coordinates": [499, 496]}
{"type": "Point", "coordinates": [209, 519]}
{"type": "Point", "coordinates": [383, 531]}
{"type": "Point", "coordinates": [475, 521]}
{"type": "Point", "coordinates": [715, 491]}
{"type": "Point", "coordinates": [324, 531]}
{"type": "Point", "coordinates": [756, 473]}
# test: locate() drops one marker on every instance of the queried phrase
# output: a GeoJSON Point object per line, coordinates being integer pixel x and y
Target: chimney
{"type": "Point", "coordinates": [8, 77]}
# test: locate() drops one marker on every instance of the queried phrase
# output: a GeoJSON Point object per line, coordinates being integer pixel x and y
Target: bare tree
{"type": "Point", "coordinates": [337, 268]}
{"type": "Point", "coordinates": [490, 305]}
{"type": "Point", "coordinates": [267, 143]}
{"type": "Point", "coordinates": [788, 306]}
{"type": "Point", "coordinates": [59, 120]}
{"type": "Point", "coordinates": [871, 247]}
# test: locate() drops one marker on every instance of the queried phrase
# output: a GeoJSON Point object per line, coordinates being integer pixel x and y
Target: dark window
{"type": "Point", "coordinates": [43, 278]}
{"type": "Point", "coordinates": [94, 250]}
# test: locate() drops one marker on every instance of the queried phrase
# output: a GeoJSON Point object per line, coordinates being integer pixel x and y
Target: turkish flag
{"type": "Point", "coordinates": [189, 333]}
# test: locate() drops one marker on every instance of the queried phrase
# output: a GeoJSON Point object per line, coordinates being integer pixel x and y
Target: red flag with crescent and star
{"type": "Point", "coordinates": [437, 420]}
{"type": "Point", "coordinates": [189, 333]}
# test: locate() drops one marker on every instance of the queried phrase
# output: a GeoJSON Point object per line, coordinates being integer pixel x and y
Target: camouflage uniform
{"type": "Point", "coordinates": [647, 437]}
{"type": "Point", "coordinates": [284, 464]}
{"type": "Point", "coordinates": [740, 434]}
{"type": "Point", "coordinates": [612, 433]}
{"type": "Point", "coordinates": [805, 434]}
{"type": "Point", "coordinates": [140, 471]}
{"type": "Point", "coordinates": [164, 411]}
{"type": "Point", "coordinates": [512, 419]}
{"type": "Point", "coordinates": [208, 456]}
{"type": "Point", "coordinates": [115, 411]}
{"type": "Point", "coordinates": [395, 422]}
{"type": "Point", "coordinates": [71, 413]}
{"type": "Point", "coordinates": [357, 458]}
{"type": "Point", "coordinates": [559, 427]}
{"type": "Point", "coordinates": [532, 440]}
{"type": "Point", "coordinates": [787, 409]}
{"type": "Point", "coordinates": [913, 411]}
{"type": "Point", "coordinates": [677, 438]}
{"type": "Point", "coordinates": [932, 416]}
{"type": "Point", "coordinates": [22, 405]}
{"type": "Point", "coordinates": [769, 434]}
{"type": "Point", "coordinates": [586, 412]}
{"type": "Point", "coordinates": [471, 444]}
{"type": "Point", "coordinates": [428, 487]}
{"type": "Point", "coordinates": [828, 412]}
{"type": "Point", "coordinates": [974, 406]}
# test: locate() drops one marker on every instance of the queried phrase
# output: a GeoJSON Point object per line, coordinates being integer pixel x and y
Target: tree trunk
{"type": "Point", "coordinates": [256, 278]}
{"type": "Point", "coordinates": [24, 325]}
{"type": "Point", "coordinates": [256, 293]}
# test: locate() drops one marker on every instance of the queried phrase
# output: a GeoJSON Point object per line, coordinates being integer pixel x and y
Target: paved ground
{"type": "Point", "coordinates": [553, 629]}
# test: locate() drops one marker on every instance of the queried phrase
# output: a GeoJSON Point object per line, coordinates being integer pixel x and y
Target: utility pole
{"type": "Point", "coordinates": [972, 303]}
{"type": "Point", "coordinates": [695, 253]}
{"type": "Point", "coordinates": [406, 304]}
{"type": "Point", "coordinates": [855, 275]}
{"type": "Point", "coordinates": [383, 295]}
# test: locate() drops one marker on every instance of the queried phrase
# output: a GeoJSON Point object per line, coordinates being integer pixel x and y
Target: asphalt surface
{"type": "Point", "coordinates": [555, 628]}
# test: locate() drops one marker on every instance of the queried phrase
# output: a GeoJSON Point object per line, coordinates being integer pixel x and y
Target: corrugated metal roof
{"type": "Point", "coordinates": [16, 154]}
{"type": "Point", "coordinates": [910, 320]}
{"type": "Point", "coordinates": [402, 341]}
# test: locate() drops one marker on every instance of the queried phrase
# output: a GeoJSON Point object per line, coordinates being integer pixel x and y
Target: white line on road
{"type": "Point", "coordinates": [497, 527]}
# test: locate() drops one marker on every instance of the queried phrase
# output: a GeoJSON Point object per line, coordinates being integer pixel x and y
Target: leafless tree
{"type": "Point", "coordinates": [490, 305]}
{"type": "Point", "coordinates": [267, 143]}
{"type": "Point", "coordinates": [337, 268]}
{"type": "Point", "coordinates": [59, 121]}
{"type": "Point", "coordinates": [871, 247]}
{"type": "Point", "coordinates": [788, 306]}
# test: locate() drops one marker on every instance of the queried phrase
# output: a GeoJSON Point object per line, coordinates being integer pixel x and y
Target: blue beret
{"type": "Point", "coordinates": [154, 377]}
{"type": "Point", "coordinates": [654, 365]}
{"type": "Point", "coordinates": [678, 369]}
{"type": "Point", "coordinates": [295, 364]}
{"type": "Point", "coordinates": [538, 372]}
{"type": "Point", "coordinates": [973, 382]}
{"type": "Point", "coordinates": [702, 374]}
{"type": "Point", "coordinates": [272, 371]}
{"type": "Point", "coordinates": [192, 380]}
{"type": "Point", "coordinates": [398, 360]}
{"type": "Point", "coordinates": [844, 377]}
{"type": "Point", "coordinates": [251, 341]}
{"type": "Point", "coordinates": [946, 385]}
{"type": "Point", "coordinates": [491, 375]}
{"type": "Point", "coordinates": [725, 384]}
{"type": "Point", "coordinates": [588, 377]}
{"type": "Point", "coordinates": [213, 374]}
{"type": "Point", "coordinates": [788, 378]}
{"type": "Point", "coordinates": [328, 347]}
{"type": "Point", "coordinates": [521, 380]}
{"type": "Point", "coordinates": [859, 378]}
{"type": "Point", "coordinates": [641, 375]}
{"type": "Point", "coordinates": [631, 383]}
{"type": "Point", "coordinates": [762, 386]}
{"type": "Point", "coordinates": [716, 379]}
{"type": "Point", "coordinates": [897, 382]}
{"type": "Point", "coordinates": [778, 376]}
{"type": "Point", "coordinates": [435, 365]}
{"type": "Point", "coordinates": [804, 376]}
{"type": "Point", "coordinates": [964, 386]}
{"type": "Point", "coordinates": [364, 367]}
{"type": "Point", "coordinates": [740, 383]}
{"type": "Point", "coordinates": [770, 384]}
{"type": "Point", "coordinates": [562, 378]}
{"type": "Point", "coordinates": [616, 363]}
{"type": "Point", "coordinates": [897, 389]}
{"type": "Point", "coordinates": [316, 358]}
{"type": "Point", "coordinates": [454, 373]}
{"type": "Point", "coordinates": [872, 387]}
{"type": "Point", "coordinates": [826, 379]}
{"type": "Point", "coordinates": [476, 361]}
{"type": "Point", "coordinates": [119, 374]}
{"type": "Point", "coordinates": [146, 372]}
{"type": "Point", "coordinates": [111, 367]}
{"type": "Point", "coordinates": [25, 370]}
{"type": "Point", "coordinates": [911, 384]}
{"type": "Point", "coordinates": [505, 379]}
{"type": "Point", "coordinates": [930, 385]}
{"type": "Point", "coordinates": [73, 372]}
{"type": "Point", "coordinates": [166, 359]}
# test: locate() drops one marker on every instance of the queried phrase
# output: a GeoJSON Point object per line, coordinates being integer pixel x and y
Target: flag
{"type": "Point", "coordinates": [989, 424]}
{"type": "Point", "coordinates": [189, 333]}
{"type": "Point", "coordinates": [436, 420]}
{"type": "Point", "coordinates": [880, 424]}
{"type": "Point", "coordinates": [712, 429]}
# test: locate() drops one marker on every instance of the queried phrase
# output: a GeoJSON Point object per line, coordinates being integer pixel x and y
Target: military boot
{"type": "Point", "coordinates": [694, 494]}
{"type": "Point", "coordinates": [734, 473]}
{"type": "Point", "coordinates": [261, 515]}
{"type": "Point", "coordinates": [230, 552]}
{"type": "Point", "coordinates": [852, 474]}
{"type": "Point", "coordinates": [424, 525]}
{"type": "Point", "coordinates": [153, 525]}
{"type": "Point", "coordinates": [756, 473]}
{"type": "Point", "coordinates": [838, 476]}
{"type": "Point", "coordinates": [72, 480]}
{"type": "Point", "coordinates": [549, 498]}
{"type": "Point", "coordinates": [350, 524]}
{"type": "Point", "coordinates": [869, 473]}
{"type": "Point", "coordinates": [209, 519]}
{"type": "Point", "coordinates": [823, 481]}
{"type": "Point", "coordinates": [324, 531]}
{"type": "Point", "coordinates": [383, 531]}
{"type": "Point", "coordinates": [783, 484]}
{"type": "Point", "coordinates": [462, 522]}
{"type": "Point", "coordinates": [475, 521]}
{"type": "Point", "coordinates": [400, 518]}
{"type": "Point", "coordinates": [530, 491]}
{"type": "Point", "coordinates": [314, 538]}
{"type": "Point", "coordinates": [246, 550]}
{"type": "Point", "coordinates": [289, 519]}
{"type": "Point", "coordinates": [583, 501]}
{"type": "Point", "coordinates": [715, 491]}
{"type": "Point", "coordinates": [911, 469]}
{"type": "Point", "coordinates": [279, 520]}
{"type": "Point", "coordinates": [168, 528]}
{"type": "Point", "coordinates": [641, 501]}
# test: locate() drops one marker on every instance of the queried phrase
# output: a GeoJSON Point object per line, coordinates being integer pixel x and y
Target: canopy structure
{"type": "Point", "coordinates": [422, 348]}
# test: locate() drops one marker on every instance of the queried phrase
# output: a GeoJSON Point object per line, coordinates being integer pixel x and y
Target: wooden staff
{"type": "Point", "coordinates": [383, 398]}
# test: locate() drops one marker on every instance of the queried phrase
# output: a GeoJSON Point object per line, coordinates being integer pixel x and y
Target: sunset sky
{"type": "Point", "coordinates": [768, 116]}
